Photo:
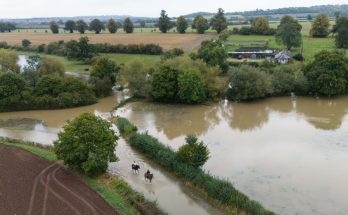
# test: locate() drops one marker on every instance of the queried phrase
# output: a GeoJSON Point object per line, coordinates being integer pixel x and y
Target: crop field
{"type": "Point", "coordinates": [187, 42]}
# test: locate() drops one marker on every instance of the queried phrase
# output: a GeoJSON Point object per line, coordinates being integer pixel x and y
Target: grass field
{"type": "Point", "coordinates": [311, 46]}
{"type": "Point", "coordinates": [187, 42]}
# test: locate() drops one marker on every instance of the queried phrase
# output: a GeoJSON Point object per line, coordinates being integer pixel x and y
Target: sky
{"type": "Point", "coordinates": [151, 8]}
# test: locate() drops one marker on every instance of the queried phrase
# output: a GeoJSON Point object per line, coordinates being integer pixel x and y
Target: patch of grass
{"type": "Point", "coordinates": [148, 60]}
{"type": "Point", "coordinates": [115, 191]}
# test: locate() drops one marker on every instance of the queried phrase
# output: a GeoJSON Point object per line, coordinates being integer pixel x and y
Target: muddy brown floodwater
{"type": "Point", "coordinates": [42, 127]}
{"type": "Point", "coordinates": [290, 154]}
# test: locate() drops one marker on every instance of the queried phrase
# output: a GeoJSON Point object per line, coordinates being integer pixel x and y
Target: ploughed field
{"type": "Point", "coordinates": [32, 185]}
{"type": "Point", "coordinates": [187, 42]}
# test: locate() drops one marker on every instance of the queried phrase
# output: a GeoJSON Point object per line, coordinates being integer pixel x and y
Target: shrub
{"type": "Point", "coordinates": [193, 152]}
{"type": "Point", "coordinates": [125, 126]}
{"type": "Point", "coordinates": [298, 57]}
{"type": "Point", "coordinates": [327, 74]}
{"type": "Point", "coordinates": [213, 53]}
{"type": "Point", "coordinates": [49, 66]}
{"type": "Point", "coordinates": [87, 144]}
{"type": "Point", "coordinates": [248, 83]}
{"type": "Point", "coordinates": [26, 43]}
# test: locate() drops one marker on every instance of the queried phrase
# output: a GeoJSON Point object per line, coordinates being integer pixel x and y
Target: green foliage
{"type": "Point", "coordinates": [26, 43]}
{"type": "Point", "coordinates": [79, 50]}
{"type": "Point", "coordinates": [213, 53]}
{"type": "Point", "coordinates": [248, 83]}
{"type": "Point", "coordinates": [260, 26]}
{"type": "Point", "coordinates": [219, 22]}
{"type": "Point", "coordinates": [8, 61]}
{"type": "Point", "coordinates": [191, 87]}
{"type": "Point", "coordinates": [181, 24]}
{"type": "Point", "coordinates": [81, 26]}
{"type": "Point", "coordinates": [320, 26]}
{"type": "Point", "coordinates": [341, 31]}
{"type": "Point", "coordinates": [200, 24]}
{"type": "Point", "coordinates": [176, 52]}
{"type": "Point", "coordinates": [11, 84]}
{"type": "Point", "coordinates": [164, 22]}
{"type": "Point", "coordinates": [112, 26]}
{"type": "Point", "coordinates": [50, 65]}
{"type": "Point", "coordinates": [7, 26]}
{"type": "Point", "coordinates": [128, 26]}
{"type": "Point", "coordinates": [87, 144]}
{"type": "Point", "coordinates": [327, 74]}
{"type": "Point", "coordinates": [54, 27]}
{"type": "Point", "coordinates": [70, 26]}
{"type": "Point", "coordinates": [96, 25]}
{"type": "Point", "coordinates": [289, 32]}
{"type": "Point", "coordinates": [103, 67]}
{"type": "Point", "coordinates": [135, 76]}
{"type": "Point", "coordinates": [125, 127]}
{"type": "Point", "coordinates": [218, 189]}
{"type": "Point", "coordinates": [184, 80]}
{"type": "Point", "coordinates": [193, 152]}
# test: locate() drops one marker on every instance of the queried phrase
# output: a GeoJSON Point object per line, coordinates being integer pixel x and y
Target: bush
{"type": "Point", "coordinates": [172, 53]}
{"type": "Point", "coordinates": [248, 83]}
{"type": "Point", "coordinates": [213, 53]}
{"type": "Point", "coordinates": [87, 144]}
{"type": "Point", "coordinates": [298, 57]}
{"type": "Point", "coordinates": [125, 127]}
{"type": "Point", "coordinates": [26, 43]}
{"type": "Point", "coordinates": [327, 74]}
{"type": "Point", "coordinates": [148, 49]}
{"type": "Point", "coordinates": [51, 66]}
{"type": "Point", "coordinates": [193, 152]}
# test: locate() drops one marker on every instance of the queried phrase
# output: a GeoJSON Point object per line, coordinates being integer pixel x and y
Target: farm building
{"type": "Point", "coordinates": [283, 57]}
{"type": "Point", "coordinates": [252, 53]}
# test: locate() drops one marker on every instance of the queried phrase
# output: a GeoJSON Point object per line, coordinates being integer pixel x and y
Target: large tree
{"type": "Point", "coordinates": [289, 32]}
{"type": "Point", "coordinates": [341, 31]}
{"type": "Point", "coordinates": [50, 66]}
{"type": "Point", "coordinates": [219, 22]}
{"type": "Point", "coordinates": [87, 144]}
{"type": "Point", "coordinates": [8, 61]}
{"type": "Point", "coordinates": [320, 26]}
{"type": "Point", "coordinates": [181, 24]}
{"type": "Point", "coordinates": [327, 74]}
{"type": "Point", "coordinates": [112, 26]}
{"type": "Point", "coordinates": [79, 50]}
{"type": "Point", "coordinates": [193, 152]}
{"type": "Point", "coordinates": [213, 53]}
{"type": "Point", "coordinates": [260, 25]}
{"type": "Point", "coordinates": [70, 26]}
{"type": "Point", "coordinates": [200, 24]}
{"type": "Point", "coordinates": [164, 22]}
{"type": "Point", "coordinates": [54, 27]}
{"type": "Point", "coordinates": [81, 26]}
{"type": "Point", "coordinates": [96, 25]}
{"type": "Point", "coordinates": [128, 26]}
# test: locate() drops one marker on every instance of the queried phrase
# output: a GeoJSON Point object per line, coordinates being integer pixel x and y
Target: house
{"type": "Point", "coordinates": [283, 57]}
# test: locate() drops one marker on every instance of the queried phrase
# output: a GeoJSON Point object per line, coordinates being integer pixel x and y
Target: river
{"type": "Point", "coordinates": [290, 154]}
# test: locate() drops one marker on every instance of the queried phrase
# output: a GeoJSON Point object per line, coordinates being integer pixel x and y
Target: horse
{"type": "Point", "coordinates": [148, 176]}
{"type": "Point", "coordinates": [136, 168]}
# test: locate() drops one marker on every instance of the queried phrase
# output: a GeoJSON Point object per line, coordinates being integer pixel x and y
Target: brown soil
{"type": "Point", "coordinates": [187, 42]}
{"type": "Point", "coordinates": [31, 185]}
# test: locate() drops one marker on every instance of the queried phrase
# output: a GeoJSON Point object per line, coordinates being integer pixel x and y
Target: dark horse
{"type": "Point", "coordinates": [148, 176]}
{"type": "Point", "coordinates": [136, 168]}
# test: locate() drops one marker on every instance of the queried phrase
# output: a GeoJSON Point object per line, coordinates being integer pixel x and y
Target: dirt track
{"type": "Point", "coordinates": [31, 185]}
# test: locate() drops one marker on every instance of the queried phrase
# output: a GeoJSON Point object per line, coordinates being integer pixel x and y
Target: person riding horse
{"type": "Point", "coordinates": [135, 167]}
{"type": "Point", "coordinates": [148, 176]}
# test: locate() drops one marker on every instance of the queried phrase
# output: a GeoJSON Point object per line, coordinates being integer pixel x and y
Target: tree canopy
{"type": "Point", "coordinates": [112, 26]}
{"type": "Point", "coordinates": [289, 32]}
{"type": "Point", "coordinates": [81, 26]}
{"type": "Point", "coordinates": [181, 24]}
{"type": "Point", "coordinates": [128, 26]}
{"type": "Point", "coordinates": [97, 26]}
{"type": "Point", "coordinates": [164, 22]}
{"type": "Point", "coordinates": [54, 27]}
{"type": "Point", "coordinates": [219, 22]}
{"type": "Point", "coordinates": [341, 31]}
{"type": "Point", "coordinates": [87, 144]}
{"type": "Point", "coordinates": [70, 26]}
{"type": "Point", "coordinates": [200, 24]}
{"type": "Point", "coordinates": [193, 152]}
{"type": "Point", "coordinates": [320, 26]}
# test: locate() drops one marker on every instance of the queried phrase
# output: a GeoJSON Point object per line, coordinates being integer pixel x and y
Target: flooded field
{"type": "Point", "coordinates": [43, 127]}
{"type": "Point", "coordinates": [290, 154]}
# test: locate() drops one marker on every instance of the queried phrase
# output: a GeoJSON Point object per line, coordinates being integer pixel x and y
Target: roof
{"type": "Point", "coordinates": [283, 55]}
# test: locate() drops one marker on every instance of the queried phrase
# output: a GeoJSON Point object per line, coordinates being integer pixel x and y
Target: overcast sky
{"type": "Point", "coordinates": [63, 8]}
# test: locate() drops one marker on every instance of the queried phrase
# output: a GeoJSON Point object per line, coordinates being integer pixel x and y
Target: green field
{"type": "Point", "coordinates": [311, 46]}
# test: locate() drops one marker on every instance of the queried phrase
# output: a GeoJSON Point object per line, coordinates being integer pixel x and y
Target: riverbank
{"type": "Point", "coordinates": [217, 191]}
{"type": "Point", "coordinates": [115, 191]}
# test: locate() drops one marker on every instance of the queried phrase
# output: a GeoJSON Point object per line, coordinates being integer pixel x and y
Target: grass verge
{"type": "Point", "coordinates": [114, 190]}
